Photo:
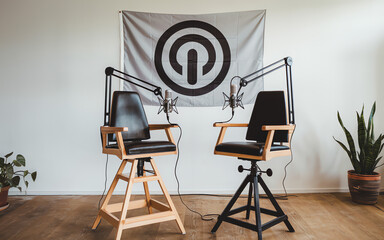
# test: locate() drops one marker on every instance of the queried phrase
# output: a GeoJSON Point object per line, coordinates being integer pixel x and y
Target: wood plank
{"type": "Point", "coordinates": [116, 207]}
{"type": "Point", "coordinates": [113, 220]}
{"type": "Point", "coordinates": [106, 129]}
{"type": "Point", "coordinates": [314, 216]}
{"type": "Point", "coordinates": [159, 205]}
{"type": "Point", "coordinates": [145, 179]}
{"type": "Point", "coordinates": [148, 219]}
{"type": "Point", "coordinates": [123, 176]}
{"type": "Point", "coordinates": [278, 127]}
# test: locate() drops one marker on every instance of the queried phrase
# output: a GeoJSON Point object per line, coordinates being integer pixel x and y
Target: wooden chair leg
{"type": "Point", "coordinates": [109, 193]}
{"type": "Point", "coordinates": [126, 200]}
{"type": "Point", "coordinates": [167, 212]}
{"type": "Point", "coordinates": [119, 233]}
{"type": "Point", "coordinates": [168, 197]}
{"type": "Point", "coordinates": [147, 195]}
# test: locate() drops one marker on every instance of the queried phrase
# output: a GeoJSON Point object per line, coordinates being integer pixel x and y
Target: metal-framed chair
{"type": "Point", "coordinates": [269, 136]}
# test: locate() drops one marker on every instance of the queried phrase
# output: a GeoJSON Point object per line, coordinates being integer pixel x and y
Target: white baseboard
{"type": "Point", "coordinates": [173, 192]}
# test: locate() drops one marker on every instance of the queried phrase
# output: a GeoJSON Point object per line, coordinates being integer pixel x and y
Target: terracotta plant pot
{"type": "Point", "coordinates": [4, 196]}
{"type": "Point", "coordinates": [364, 189]}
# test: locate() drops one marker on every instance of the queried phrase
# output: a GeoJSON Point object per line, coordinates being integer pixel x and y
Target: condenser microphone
{"type": "Point", "coordinates": [233, 98]}
{"type": "Point", "coordinates": [168, 104]}
{"type": "Point", "coordinates": [168, 101]}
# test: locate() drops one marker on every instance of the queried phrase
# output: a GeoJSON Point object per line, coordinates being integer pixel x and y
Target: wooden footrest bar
{"type": "Point", "coordinates": [117, 207]}
{"type": "Point", "coordinates": [159, 205]}
{"type": "Point", "coordinates": [125, 177]}
{"type": "Point", "coordinates": [113, 220]}
{"type": "Point", "coordinates": [145, 179]}
{"type": "Point", "coordinates": [148, 219]}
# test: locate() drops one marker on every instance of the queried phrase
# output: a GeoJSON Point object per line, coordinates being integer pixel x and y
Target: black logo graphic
{"type": "Point", "coordinates": [192, 57]}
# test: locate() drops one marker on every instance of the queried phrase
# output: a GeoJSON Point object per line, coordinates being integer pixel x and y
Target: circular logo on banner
{"type": "Point", "coordinates": [191, 73]}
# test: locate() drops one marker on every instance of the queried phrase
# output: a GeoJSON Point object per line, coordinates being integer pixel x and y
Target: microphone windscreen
{"type": "Point", "coordinates": [233, 89]}
{"type": "Point", "coordinates": [168, 94]}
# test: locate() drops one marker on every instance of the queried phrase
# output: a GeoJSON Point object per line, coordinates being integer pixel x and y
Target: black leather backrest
{"type": "Point", "coordinates": [269, 109]}
{"type": "Point", "coordinates": [127, 111]}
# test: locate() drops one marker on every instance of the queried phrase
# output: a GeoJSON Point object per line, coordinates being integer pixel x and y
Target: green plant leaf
{"type": "Point", "coordinates": [381, 147]}
{"type": "Point", "coordinates": [9, 171]}
{"type": "Point", "coordinates": [377, 161]}
{"type": "Point", "coordinates": [15, 181]}
{"type": "Point", "coordinates": [351, 144]}
{"type": "Point", "coordinates": [370, 158]}
{"type": "Point", "coordinates": [361, 131]}
{"type": "Point", "coordinates": [26, 183]}
{"type": "Point", "coordinates": [19, 188]}
{"type": "Point", "coordinates": [8, 155]}
{"type": "Point", "coordinates": [354, 162]}
{"type": "Point", "coordinates": [25, 173]}
{"type": "Point", "coordinates": [370, 121]}
{"type": "Point", "coordinates": [17, 164]}
{"type": "Point", "coordinates": [34, 175]}
{"type": "Point", "coordinates": [373, 160]}
{"type": "Point", "coordinates": [343, 146]}
{"type": "Point", "coordinates": [20, 158]}
{"type": "Point", "coordinates": [2, 161]}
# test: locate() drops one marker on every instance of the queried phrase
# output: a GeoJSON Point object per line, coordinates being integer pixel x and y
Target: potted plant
{"type": "Point", "coordinates": [363, 181]}
{"type": "Point", "coordinates": [10, 178]}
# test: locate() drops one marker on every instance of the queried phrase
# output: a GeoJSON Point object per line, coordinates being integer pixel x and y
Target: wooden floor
{"type": "Point", "coordinates": [314, 216]}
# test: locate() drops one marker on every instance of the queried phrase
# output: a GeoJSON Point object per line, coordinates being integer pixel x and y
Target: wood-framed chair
{"type": "Point", "coordinates": [269, 136]}
{"type": "Point", "coordinates": [127, 137]}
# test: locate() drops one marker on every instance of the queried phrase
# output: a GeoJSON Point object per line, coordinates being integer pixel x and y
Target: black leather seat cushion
{"type": "Point", "coordinates": [248, 148]}
{"type": "Point", "coordinates": [143, 147]}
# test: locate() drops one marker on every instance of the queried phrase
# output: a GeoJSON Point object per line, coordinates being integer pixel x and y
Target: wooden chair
{"type": "Point", "coordinates": [269, 136]}
{"type": "Point", "coordinates": [127, 137]}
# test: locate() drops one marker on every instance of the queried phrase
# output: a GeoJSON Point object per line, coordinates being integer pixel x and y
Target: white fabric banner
{"type": "Point", "coordinates": [196, 56]}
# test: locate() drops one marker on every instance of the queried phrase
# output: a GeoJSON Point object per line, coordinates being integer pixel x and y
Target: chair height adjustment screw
{"type": "Point", "coordinates": [241, 169]}
{"type": "Point", "coordinates": [269, 172]}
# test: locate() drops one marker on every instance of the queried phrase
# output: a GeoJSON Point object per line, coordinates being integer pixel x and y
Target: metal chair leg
{"type": "Point", "coordinates": [257, 208]}
{"type": "Point", "coordinates": [230, 204]}
{"type": "Point", "coordinates": [249, 201]}
{"type": "Point", "coordinates": [275, 204]}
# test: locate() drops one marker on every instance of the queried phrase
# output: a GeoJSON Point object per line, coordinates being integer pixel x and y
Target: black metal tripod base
{"type": "Point", "coordinates": [254, 179]}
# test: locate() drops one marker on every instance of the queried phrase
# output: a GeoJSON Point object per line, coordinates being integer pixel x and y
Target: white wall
{"type": "Point", "coordinates": [52, 60]}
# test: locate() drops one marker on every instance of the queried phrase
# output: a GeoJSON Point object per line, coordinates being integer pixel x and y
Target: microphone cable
{"type": "Point", "coordinates": [285, 197]}
{"type": "Point", "coordinates": [105, 181]}
{"type": "Point", "coordinates": [233, 114]}
{"type": "Point", "coordinates": [204, 217]}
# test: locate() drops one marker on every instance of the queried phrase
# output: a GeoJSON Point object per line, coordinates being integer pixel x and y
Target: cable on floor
{"type": "Point", "coordinates": [205, 217]}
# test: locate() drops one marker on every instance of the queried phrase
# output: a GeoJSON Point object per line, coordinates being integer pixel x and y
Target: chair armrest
{"type": "Point", "coordinates": [106, 129]}
{"type": "Point", "coordinates": [230, 124]}
{"type": "Point", "coordinates": [224, 127]}
{"type": "Point", "coordinates": [161, 126]}
{"type": "Point", "coordinates": [278, 127]}
{"type": "Point", "coordinates": [166, 128]}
